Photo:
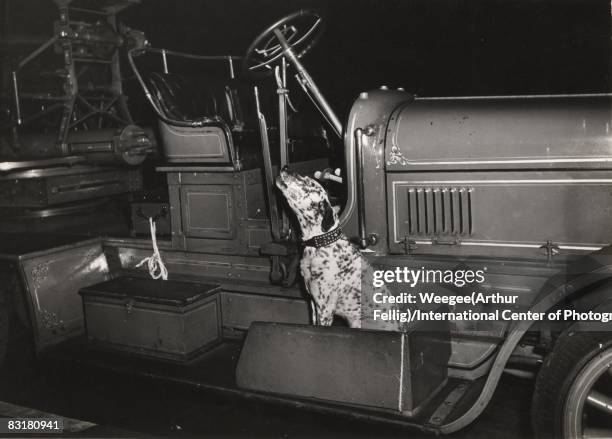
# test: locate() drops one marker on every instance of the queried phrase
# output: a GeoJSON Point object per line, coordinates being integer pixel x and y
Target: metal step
{"type": "Point", "coordinates": [214, 372]}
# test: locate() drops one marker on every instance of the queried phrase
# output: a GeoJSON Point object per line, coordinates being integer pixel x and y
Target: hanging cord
{"type": "Point", "coordinates": [156, 266]}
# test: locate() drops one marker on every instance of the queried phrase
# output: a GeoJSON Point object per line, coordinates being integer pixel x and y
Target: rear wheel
{"type": "Point", "coordinates": [573, 393]}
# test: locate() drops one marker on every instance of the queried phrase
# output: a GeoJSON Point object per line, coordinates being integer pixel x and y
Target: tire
{"type": "Point", "coordinates": [568, 376]}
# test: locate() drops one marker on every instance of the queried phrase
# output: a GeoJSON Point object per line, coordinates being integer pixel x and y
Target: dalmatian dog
{"type": "Point", "coordinates": [332, 267]}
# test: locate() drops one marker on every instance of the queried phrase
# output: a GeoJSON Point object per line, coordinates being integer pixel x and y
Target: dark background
{"type": "Point", "coordinates": [429, 47]}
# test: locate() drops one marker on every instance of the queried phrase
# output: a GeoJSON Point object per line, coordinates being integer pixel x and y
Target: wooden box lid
{"type": "Point", "coordinates": [166, 292]}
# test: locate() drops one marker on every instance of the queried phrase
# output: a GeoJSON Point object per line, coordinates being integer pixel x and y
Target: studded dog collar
{"type": "Point", "coordinates": [325, 239]}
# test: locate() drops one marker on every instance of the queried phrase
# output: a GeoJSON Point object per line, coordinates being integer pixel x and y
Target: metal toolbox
{"type": "Point", "coordinates": [159, 319]}
{"type": "Point", "coordinates": [53, 186]}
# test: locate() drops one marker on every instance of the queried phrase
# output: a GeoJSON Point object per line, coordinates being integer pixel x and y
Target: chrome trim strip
{"type": "Point", "coordinates": [515, 245]}
{"type": "Point", "coordinates": [514, 161]}
{"type": "Point", "coordinates": [505, 182]}
{"type": "Point", "coordinates": [469, 98]}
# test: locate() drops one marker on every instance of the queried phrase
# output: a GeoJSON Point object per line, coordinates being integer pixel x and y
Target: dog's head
{"type": "Point", "coordinates": [309, 202]}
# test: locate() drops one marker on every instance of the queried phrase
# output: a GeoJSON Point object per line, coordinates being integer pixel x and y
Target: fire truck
{"type": "Point", "coordinates": [519, 187]}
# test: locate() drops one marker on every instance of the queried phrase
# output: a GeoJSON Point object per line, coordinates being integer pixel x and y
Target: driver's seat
{"type": "Point", "coordinates": [206, 121]}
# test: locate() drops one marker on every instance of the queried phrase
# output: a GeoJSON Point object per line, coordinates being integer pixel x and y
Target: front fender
{"type": "Point", "coordinates": [585, 275]}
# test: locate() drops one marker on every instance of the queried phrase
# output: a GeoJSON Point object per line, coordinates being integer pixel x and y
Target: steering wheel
{"type": "Point", "coordinates": [301, 30]}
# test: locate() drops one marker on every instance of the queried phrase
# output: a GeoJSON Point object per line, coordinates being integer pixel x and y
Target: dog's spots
{"type": "Point", "coordinates": [332, 274]}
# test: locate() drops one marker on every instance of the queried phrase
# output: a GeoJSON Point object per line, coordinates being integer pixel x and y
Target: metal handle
{"type": "Point", "coordinates": [363, 241]}
{"type": "Point", "coordinates": [275, 221]}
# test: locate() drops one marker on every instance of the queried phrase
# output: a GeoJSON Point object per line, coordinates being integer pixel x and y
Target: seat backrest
{"type": "Point", "coordinates": [188, 98]}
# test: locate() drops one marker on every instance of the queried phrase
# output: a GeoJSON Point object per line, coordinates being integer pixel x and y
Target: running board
{"type": "Point", "coordinates": [213, 373]}
{"type": "Point", "coordinates": [398, 371]}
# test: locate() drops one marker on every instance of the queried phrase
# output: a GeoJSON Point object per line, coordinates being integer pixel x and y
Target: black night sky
{"type": "Point", "coordinates": [429, 47]}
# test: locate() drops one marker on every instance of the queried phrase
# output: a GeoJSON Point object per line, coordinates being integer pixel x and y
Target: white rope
{"type": "Point", "coordinates": [156, 266]}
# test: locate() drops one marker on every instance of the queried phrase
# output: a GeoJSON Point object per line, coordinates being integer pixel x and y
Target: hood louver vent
{"type": "Point", "coordinates": [439, 211]}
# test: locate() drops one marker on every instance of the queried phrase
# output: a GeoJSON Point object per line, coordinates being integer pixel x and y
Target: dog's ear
{"type": "Point", "coordinates": [328, 215]}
